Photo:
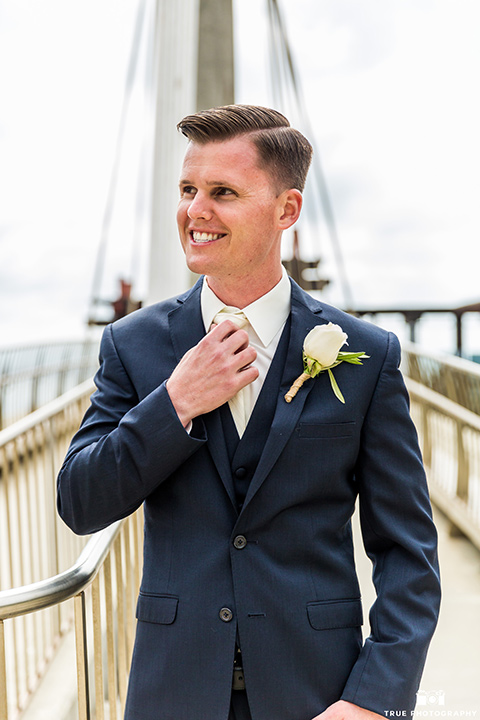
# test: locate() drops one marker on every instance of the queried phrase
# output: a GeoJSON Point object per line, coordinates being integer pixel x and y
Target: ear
{"type": "Point", "coordinates": [290, 205]}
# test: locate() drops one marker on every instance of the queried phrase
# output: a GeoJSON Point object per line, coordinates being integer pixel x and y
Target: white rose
{"type": "Point", "coordinates": [323, 343]}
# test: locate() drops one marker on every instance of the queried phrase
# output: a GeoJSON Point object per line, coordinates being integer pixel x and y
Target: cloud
{"type": "Point", "coordinates": [391, 93]}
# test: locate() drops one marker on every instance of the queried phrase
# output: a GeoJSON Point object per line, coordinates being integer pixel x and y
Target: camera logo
{"type": "Point", "coordinates": [436, 697]}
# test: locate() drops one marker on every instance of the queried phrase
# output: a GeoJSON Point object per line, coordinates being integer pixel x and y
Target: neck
{"type": "Point", "coordinates": [240, 292]}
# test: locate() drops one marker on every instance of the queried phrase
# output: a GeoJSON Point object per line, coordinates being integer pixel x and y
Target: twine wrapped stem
{"type": "Point", "coordinates": [296, 386]}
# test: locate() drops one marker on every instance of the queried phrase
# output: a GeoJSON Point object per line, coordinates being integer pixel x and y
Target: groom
{"type": "Point", "coordinates": [249, 605]}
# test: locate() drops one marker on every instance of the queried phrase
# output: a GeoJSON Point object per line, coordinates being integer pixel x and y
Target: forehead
{"type": "Point", "coordinates": [234, 160]}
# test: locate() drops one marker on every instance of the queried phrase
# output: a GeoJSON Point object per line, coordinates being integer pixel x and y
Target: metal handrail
{"type": "Point", "coordinates": [34, 543]}
{"type": "Point", "coordinates": [445, 403]}
{"type": "Point", "coordinates": [32, 375]}
{"type": "Point", "coordinates": [32, 420]}
{"type": "Point", "coordinates": [453, 377]}
{"type": "Point", "coordinates": [448, 407]}
{"type": "Point", "coordinates": [65, 585]}
{"type": "Point", "coordinates": [103, 584]}
{"type": "Point", "coordinates": [52, 581]}
{"type": "Point", "coordinates": [37, 417]}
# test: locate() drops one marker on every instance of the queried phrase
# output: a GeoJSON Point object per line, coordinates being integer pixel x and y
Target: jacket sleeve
{"type": "Point", "coordinates": [123, 450]}
{"type": "Point", "coordinates": [400, 539]}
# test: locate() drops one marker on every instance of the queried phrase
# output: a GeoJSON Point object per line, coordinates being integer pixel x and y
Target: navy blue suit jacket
{"type": "Point", "coordinates": [292, 589]}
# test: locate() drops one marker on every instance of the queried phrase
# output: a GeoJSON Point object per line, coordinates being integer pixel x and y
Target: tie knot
{"type": "Point", "coordinates": [233, 314]}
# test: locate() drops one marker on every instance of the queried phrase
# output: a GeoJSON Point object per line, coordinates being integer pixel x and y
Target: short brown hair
{"type": "Point", "coordinates": [282, 150]}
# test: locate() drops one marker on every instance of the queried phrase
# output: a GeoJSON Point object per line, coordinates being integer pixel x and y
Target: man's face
{"type": "Point", "coordinates": [228, 214]}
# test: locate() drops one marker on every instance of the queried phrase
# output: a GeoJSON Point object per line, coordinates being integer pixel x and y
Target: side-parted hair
{"type": "Point", "coordinates": [283, 151]}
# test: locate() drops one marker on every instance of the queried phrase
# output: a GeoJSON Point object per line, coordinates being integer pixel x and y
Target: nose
{"type": "Point", "coordinates": [199, 208]}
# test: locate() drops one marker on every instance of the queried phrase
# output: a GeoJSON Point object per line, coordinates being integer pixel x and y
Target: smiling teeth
{"type": "Point", "coordinates": [205, 237]}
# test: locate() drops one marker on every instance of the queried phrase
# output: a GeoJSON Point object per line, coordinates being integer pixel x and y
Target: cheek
{"type": "Point", "coordinates": [182, 218]}
{"type": "Point", "coordinates": [182, 212]}
{"type": "Point", "coordinates": [265, 218]}
{"type": "Point", "coordinates": [261, 233]}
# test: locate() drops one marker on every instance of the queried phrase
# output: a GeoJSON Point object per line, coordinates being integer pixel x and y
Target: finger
{"type": "Point", "coordinates": [227, 329]}
{"type": "Point", "coordinates": [247, 375]}
{"type": "Point", "coordinates": [223, 329]}
{"type": "Point", "coordinates": [237, 341]}
{"type": "Point", "coordinates": [229, 340]}
{"type": "Point", "coordinates": [240, 380]}
{"type": "Point", "coordinates": [243, 358]}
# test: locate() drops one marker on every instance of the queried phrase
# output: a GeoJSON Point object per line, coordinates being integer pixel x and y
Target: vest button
{"type": "Point", "coordinates": [240, 472]}
{"type": "Point", "coordinates": [240, 542]}
{"type": "Point", "coordinates": [226, 614]}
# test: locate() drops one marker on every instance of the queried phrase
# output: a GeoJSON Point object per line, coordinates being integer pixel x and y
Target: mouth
{"type": "Point", "coordinates": [203, 237]}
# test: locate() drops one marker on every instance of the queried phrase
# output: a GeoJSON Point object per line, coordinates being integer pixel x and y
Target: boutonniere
{"type": "Point", "coordinates": [321, 351]}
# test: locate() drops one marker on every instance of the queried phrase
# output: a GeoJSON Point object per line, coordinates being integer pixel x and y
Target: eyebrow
{"type": "Point", "coordinates": [211, 183]}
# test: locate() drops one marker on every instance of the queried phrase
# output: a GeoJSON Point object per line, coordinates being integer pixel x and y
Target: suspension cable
{"type": "Point", "coordinates": [285, 84]}
{"type": "Point", "coordinates": [114, 176]}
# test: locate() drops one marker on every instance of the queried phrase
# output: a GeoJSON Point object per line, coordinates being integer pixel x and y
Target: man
{"type": "Point", "coordinates": [247, 498]}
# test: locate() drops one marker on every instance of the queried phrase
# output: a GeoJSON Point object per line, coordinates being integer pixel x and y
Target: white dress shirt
{"type": "Point", "coordinates": [266, 316]}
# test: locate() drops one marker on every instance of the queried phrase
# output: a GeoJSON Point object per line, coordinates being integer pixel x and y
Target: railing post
{"type": "Point", "coordinates": [462, 470]}
{"type": "Point", "coordinates": [110, 620]}
{"type": "Point", "coordinates": [97, 649]}
{"type": "Point", "coordinates": [36, 377]}
{"type": "Point", "coordinates": [82, 657]}
{"type": "Point", "coordinates": [121, 622]}
{"type": "Point", "coordinates": [462, 488]}
{"type": "Point", "coordinates": [3, 386]}
{"type": "Point", "coordinates": [3, 675]}
{"type": "Point", "coordinates": [427, 443]}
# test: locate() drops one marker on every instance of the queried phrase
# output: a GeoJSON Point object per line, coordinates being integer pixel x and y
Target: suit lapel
{"type": "Point", "coordinates": [185, 321]}
{"type": "Point", "coordinates": [304, 316]}
{"type": "Point", "coordinates": [186, 330]}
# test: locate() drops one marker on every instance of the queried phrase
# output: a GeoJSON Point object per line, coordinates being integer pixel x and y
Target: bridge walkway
{"type": "Point", "coordinates": [452, 671]}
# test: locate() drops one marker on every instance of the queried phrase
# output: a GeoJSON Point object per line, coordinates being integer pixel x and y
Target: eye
{"type": "Point", "coordinates": [224, 191]}
{"type": "Point", "coordinates": [187, 190]}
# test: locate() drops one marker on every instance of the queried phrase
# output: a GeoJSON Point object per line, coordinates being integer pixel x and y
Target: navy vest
{"type": "Point", "coordinates": [244, 454]}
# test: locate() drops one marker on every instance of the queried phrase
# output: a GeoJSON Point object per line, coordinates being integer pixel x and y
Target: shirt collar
{"type": "Point", "coordinates": [266, 315]}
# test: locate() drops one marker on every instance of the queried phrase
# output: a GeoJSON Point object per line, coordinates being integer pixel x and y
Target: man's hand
{"type": "Point", "coordinates": [212, 372]}
{"type": "Point", "coordinates": [343, 710]}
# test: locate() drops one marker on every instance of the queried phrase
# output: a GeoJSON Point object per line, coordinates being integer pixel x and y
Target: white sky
{"type": "Point", "coordinates": [392, 91]}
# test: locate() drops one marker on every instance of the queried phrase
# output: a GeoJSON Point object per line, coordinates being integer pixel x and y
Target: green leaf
{"type": "Point", "coordinates": [335, 387]}
{"type": "Point", "coordinates": [348, 357]}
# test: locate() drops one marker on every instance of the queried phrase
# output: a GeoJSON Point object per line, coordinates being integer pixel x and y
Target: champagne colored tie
{"type": "Point", "coordinates": [239, 403]}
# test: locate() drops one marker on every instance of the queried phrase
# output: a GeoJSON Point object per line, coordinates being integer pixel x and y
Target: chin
{"type": "Point", "coordinates": [197, 266]}
{"type": "Point", "coordinates": [200, 263]}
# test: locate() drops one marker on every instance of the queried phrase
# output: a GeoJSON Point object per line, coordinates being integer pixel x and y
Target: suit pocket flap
{"type": "Point", "coordinates": [334, 614]}
{"type": "Point", "coordinates": [161, 609]}
{"type": "Point", "coordinates": [326, 430]}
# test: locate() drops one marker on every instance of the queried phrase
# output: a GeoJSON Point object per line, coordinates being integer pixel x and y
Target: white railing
{"type": "Point", "coordinates": [51, 580]}
{"type": "Point", "coordinates": [34, 543]}
{"type": "Point", "coordinates": [448, 375]}
{"type": "Point", "coordinates": [445, 398]}
{"type": "Point", "coordinates": [33, 375]}
{"type": "Point", "coordinates": [103, 584]}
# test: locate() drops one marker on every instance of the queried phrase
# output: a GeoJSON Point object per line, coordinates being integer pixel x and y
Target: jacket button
{"type": "Point", "coordinates": [240, 472]}
{"type": "Point", "coordinates": [226, 614]}
{"type": "Point", "coordinates": [240, 542]}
